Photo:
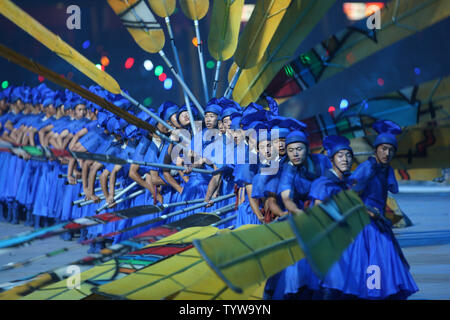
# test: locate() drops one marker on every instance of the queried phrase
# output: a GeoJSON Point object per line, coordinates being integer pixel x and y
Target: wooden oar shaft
{"type": "Point", "coordinates": [201, 61]}
{"type": "Point", "coordinates": [216, 78]}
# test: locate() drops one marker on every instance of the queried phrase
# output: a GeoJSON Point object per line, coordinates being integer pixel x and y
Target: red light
{"type": "Point", "coordinates": [129, 63]}
{"type": "Point", "coordinates": [162, 77]}
{"type": "Point", "coordinates": [195, 41]}
{"type": "Point", "coordinates": [331, 109]}
{"type": "Point", "coordinates": [41, 78]}
{"type": "Point", "coordinates": [380, 82]}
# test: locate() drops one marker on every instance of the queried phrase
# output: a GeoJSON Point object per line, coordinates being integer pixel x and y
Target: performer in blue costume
{"type": "Point", "coordinates": [376, 245]}
{"type": "Point", "coordinates": [297, 281]}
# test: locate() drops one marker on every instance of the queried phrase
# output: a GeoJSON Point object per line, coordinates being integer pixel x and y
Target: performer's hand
{"type": "Point", "coordinates": [71, 180]}
{"type": "Point", "coordinates": [210, 203]}
{"type": "Point", "coordinates": [95, 198]}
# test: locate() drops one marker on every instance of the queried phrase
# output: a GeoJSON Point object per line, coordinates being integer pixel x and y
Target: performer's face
{"type": "Point", "coordinates": [238, 136]}
{"type": "Point", "coordinates": [221, 127]}
{"type": "Point", "coordinates": [184, 119]}
{"type": "Point", "coordinates": [210, 120]}
{"type": "Point", "coordinates": [342, 160]}
{"type": "Point", "coordinates": [161, 128]}
{"type": "Point", "coordinates": [297, 153]}
{"type": "Point", "coordinates": [384, 153]}
{"type": "Point", "coordinates": [80, 111]}
{"type": "Point", "coordinates": [173, 120]}
{"type": "Point", "coordinates": [265, 149]}
{"type": "Point", "coordinates": [227, 122]}
{"type": "Point", "coordinates": [280, 146]}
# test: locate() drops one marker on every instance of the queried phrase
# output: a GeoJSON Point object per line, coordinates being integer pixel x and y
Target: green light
{"type": "Point", "coordinates": [147, 101]}
{"type": "Point", "coordinates": [158, 70]}
{"type": "Point", "coordinates": [305, 59]}
{"type": "Point", "coordinates": [5, 84]}
{"type": "Point", "coordinates": [210, 64]}
{"type": "Point", "coordinates": [289, 71]}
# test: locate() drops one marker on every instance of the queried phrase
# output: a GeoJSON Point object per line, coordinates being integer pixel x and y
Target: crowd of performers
{"type": "Point", "coordinates": [31, 191]}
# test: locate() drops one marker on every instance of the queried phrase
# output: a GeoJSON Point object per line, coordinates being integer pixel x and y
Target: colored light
{"type": "Point", "coordinates": [417, 71]}
{"type": "Point", "coordinates": [359, 10]}
{"type": "Point", "coordinates": [168, 83]}
{"type": "Point", "coordinates": [86, 44]}
{"type": "Point", "coordinates": [162, 77]}
{"type": "Point", "coordinates": [210, 64]}
{"type": "Point", "coordinates": [305, 59]}
{"type": "Point", "coordinates": [5, 84]}
{"type": "Point", "coordinates": [148, 65]}
{"type": "Point", "coordinates": [41, 78]}
{"type": "Point", "coordinates": [331, 109]}
{"type": "Point", "coordinates": [344, 104]}
{"type": "Point", "coordinates": [99, 66]}
{"type": "Point", "coordinates": [147, 101]}
{"type": "Point", "coordinates": [104, 61]}
{"type": "Point", "coordinates": [129, 63]}
{"type": "Point", "coordinates": [158, 70]}
{"type": "Point", "coordinates": [289, 71]}
{"type": "Point", "coordinates": [195, 41]}
{"type": "Point", "coordinates": [380, 82]}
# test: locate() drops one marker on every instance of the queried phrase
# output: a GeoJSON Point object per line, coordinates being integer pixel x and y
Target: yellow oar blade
{"type": "Point", "coordinates": [259, 30]}
{"type": "Point", "coordinates": [211, 287]}
{"type": "Point", "coordinates": [140, 23]}
{"type": "Point", "coordinates": [300, 18]}
{"type": "Point", "coordinates": [55, 44]}
{"type": "Point", "coordinates": [325, 231]}
{"type": "Point", "coordinates": [224, 31]}
{"type": "Point", "coordinates": [194, 9]}
{"type": "Point", "coordinates": [108, 270]}
{"type": "Point", "coordinates": [263, 249]}
{"type": "Point", "coordinates": [163, 8]}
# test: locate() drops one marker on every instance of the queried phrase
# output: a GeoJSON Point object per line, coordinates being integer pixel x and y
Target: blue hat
{"type": "Point", "coordinates": [289, 123]}
{"type": "Point", "coordinates": [16, 94]}
{"type": "Point", "coordinates": [236, 123]}
{"type": "Point", "coordinates": [251, 108]}
{"type": "Point", "coordinates": [297, 136]}
{"type": "Point", "coordinates": [131, 131]}
{"type": "Point", "coordinates": [227, 103]}
{"type": "Point", "coordinates": [122, 123]}
{"type": "Point", "coordinates": [163, 108]}
{"type": "Point", "coordinates": [282, 132]}
{"type": "Point", "coordinates": [102, 118]}
{"type": "Point", "coordinates": [112, 125]}
{"type": "Point", "coordinates": [273, 106]}
{"type": "Point", "coordinates": [214, 108]}
{"type": "Point", "coordinates": [249, 118]}
{"type": "Point", "coordinates": [333, 144]}
{"type": "Point", "coordinates": [170, 112]}
{"type": "Point", "coordinates": [228, 112]}
{"type": "Point", "coordinates": [213, 101]}
{"type": "Point", "coordinates": [387, 130]}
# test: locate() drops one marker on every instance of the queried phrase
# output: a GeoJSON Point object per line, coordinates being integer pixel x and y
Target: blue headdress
{"type": "Point", "coordinates": [334, 144]}
{"type": "Point", "coordinates": [297, 136]}
{"type": "Point", "coordinates": [387, 130]}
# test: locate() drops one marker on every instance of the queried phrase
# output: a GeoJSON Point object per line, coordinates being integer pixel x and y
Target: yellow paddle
{"type": "Point", "coordinates": [146, 31]}
{"type": "Point", "coordinates": [256, 35]}
{"type": "Point", "coordinates": [224, 33]}
{"type": "Point", "coordinates": [164, 9]}
{"type": "Point", "coordinates": [196, 10]}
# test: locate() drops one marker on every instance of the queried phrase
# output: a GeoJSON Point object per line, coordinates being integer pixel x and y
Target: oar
{"type": "Point", "coordinates": [300, 18]}
{"type": "Point", "coordinates": [83, 202]}
{"type": "Point", "coordinates": [164, 9]}
{"type": "Point", "coordinates": [256, 36]}
{"type": "Point", "coordinates": [196, 10]}
{"type": "Point", "coordinates": [146, 31]}
{"type": "Point", "coordinates": [157, 219]}
{"type": "Point", "coordinates": [224, 33]}
{"type": "Point", "coordinates": [119, 247]}
{"type": "Point", "coordinates": [120, 194]}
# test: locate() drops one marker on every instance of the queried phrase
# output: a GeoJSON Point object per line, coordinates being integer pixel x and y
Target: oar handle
{"type": "Point", "coordinates": [131, 196]}
{"type": "Point", "coordinates": [233, 81]}
{"type": "Point", "coordinates": [168, 166]}
{"type": "Point", "coordinates": [216, 78]}
{"type": "Point", "coordinates": [201, 61]}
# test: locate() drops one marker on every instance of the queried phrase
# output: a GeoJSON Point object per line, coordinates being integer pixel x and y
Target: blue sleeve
{"type": "Point", "coordinates": [362, 175]}
{"type": "Point", "coordinates": [392, 181]}
{"type": "Point", "coordinates": [286, 178]}
{"type": "Point", "coordinates": [243, 174]}
{"type": "Point", "coordinates": [320, 189]}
